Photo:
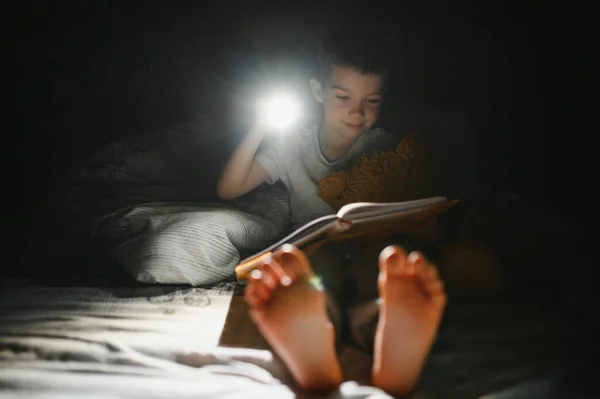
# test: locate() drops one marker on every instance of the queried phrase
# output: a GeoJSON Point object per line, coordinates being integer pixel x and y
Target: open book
{"type": "Point", "coordinates": [354, 221]}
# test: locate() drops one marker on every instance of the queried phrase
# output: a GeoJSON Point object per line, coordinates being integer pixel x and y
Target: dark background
{"type": "Point", "coordinates": [86, 72]}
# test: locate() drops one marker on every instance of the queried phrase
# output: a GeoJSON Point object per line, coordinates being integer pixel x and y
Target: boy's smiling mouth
{"type": "Point", "coordinates": [354, 125]}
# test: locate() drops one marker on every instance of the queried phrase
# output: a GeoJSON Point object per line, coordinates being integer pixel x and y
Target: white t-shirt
{"type": "Point", "coordinates": [297, 160]}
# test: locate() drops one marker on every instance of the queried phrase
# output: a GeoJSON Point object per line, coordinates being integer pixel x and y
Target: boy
{"type": "Point", "coordinates": [349, 91]}
{"type": "Point", "coordinates": [348, 86]}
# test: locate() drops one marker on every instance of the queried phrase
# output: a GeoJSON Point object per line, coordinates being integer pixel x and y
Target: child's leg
{"type": "Point", "coordinates": [289, 310]}
{"type": "Point", "coordinates": [412, 303]}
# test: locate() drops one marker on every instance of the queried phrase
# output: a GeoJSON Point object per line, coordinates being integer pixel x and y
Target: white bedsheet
{"type": "Point", "coordinates": [137, 343]}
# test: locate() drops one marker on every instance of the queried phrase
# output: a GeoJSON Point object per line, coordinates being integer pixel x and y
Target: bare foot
{"type": "Point", "coordinates": [289, 310]}
{"type": "Point", "coordinates": [412, 303]}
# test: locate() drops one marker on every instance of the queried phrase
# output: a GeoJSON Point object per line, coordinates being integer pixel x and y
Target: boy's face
{"type": "Point", "coordinates": [351, 101]}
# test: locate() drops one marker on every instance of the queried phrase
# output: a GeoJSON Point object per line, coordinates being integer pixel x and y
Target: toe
{"type": "Point", "coordinates": [432, 284]}
{"type": "Point", "coordinates": [392, 260]}
{"type": "Point", "coordinates": [414, 264]}
{"type": "Point", "coordinates": [250, 296]}
{"type": "Point", "coordinates": [430, 273]}
{"type": "Point", "coordinates": [430, 280]}
{"type": "Point", "coordinates": [293, 262]}
{"type": "Point", "coordinates": [434, 287]}
{"type": "Point", "coordinates": [276, 273]}
{"type": "Point", "coordinates": [268, 276]}
{"type": "Point", "coordinates": [258, 287]}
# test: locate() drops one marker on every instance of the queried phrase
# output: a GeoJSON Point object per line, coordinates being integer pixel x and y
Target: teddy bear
{"type": "Point", "coordinates": [402, 170]}
{"type": "Point", "coordinates": [381, 175]}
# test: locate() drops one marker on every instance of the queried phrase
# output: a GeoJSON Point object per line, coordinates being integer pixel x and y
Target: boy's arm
{"type": "Point", "coordinates": [243, 172]}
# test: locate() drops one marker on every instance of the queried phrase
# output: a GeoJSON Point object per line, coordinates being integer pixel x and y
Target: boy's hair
{"type": "Point", "coordinates": [351, 48]}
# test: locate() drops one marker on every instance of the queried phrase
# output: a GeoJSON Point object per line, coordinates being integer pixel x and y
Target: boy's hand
{"type": "Point", "coordinates": [261, 124]}
{"type": "Point", "coordinates": [243, 172]}
{"type": "Point", "coordinates": [258, 131]}
{"type": "Point", "coordinates": [259, 128]}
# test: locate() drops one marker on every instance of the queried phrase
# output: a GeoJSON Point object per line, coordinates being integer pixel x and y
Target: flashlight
{"type": "Point", "coordinates": [279, 110]}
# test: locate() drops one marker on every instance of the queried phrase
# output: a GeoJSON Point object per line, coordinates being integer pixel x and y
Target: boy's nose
{"type": "Point", "coordinates": [357, 109]}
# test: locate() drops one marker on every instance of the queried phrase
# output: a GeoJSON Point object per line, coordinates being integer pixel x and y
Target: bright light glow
{"type": "Point", "coordinates": [279, 110]}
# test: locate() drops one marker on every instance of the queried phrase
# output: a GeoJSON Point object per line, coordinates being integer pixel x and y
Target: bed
{"type": "Point", "coordinates": [174, 342]}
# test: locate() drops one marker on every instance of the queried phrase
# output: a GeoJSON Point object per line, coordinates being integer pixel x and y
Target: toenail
{"type": "Point", "coordinates": [388, 252]}
{"type": "Point", "coordinates": [286, 280]}
{"type": "Point", "coordinates": [267, 260]}
{"type": "Point", "coordinates": [414, 257]}
{"type": "Point", "coordinates": [256, 274]}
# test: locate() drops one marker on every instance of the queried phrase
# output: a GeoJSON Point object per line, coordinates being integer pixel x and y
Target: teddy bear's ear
{"type": "Point", "coordinates": [317, 89]}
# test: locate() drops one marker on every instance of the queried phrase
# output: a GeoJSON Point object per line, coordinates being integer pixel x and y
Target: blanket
{"type": "Point", "coordinates": [151, 342]}
{"type": "Point", "coordinates": [148, 202]}
{"type": "Point", "coordinates": [166, 342]}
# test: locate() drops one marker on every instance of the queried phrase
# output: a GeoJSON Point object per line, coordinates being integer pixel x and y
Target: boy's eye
{"type": "Point", "coordinates": [374, 101]}
{"type": "Point", "coordinates": [343, 98]}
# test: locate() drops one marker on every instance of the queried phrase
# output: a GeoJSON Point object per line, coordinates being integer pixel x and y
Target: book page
{"type": "Point", "coordinates": [360, 210]}
{"type": "Point", "coordinates": [390, 224]}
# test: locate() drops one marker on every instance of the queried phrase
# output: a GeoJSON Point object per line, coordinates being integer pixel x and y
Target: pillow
{"type": "Point", "coordinates": [197, 244]}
